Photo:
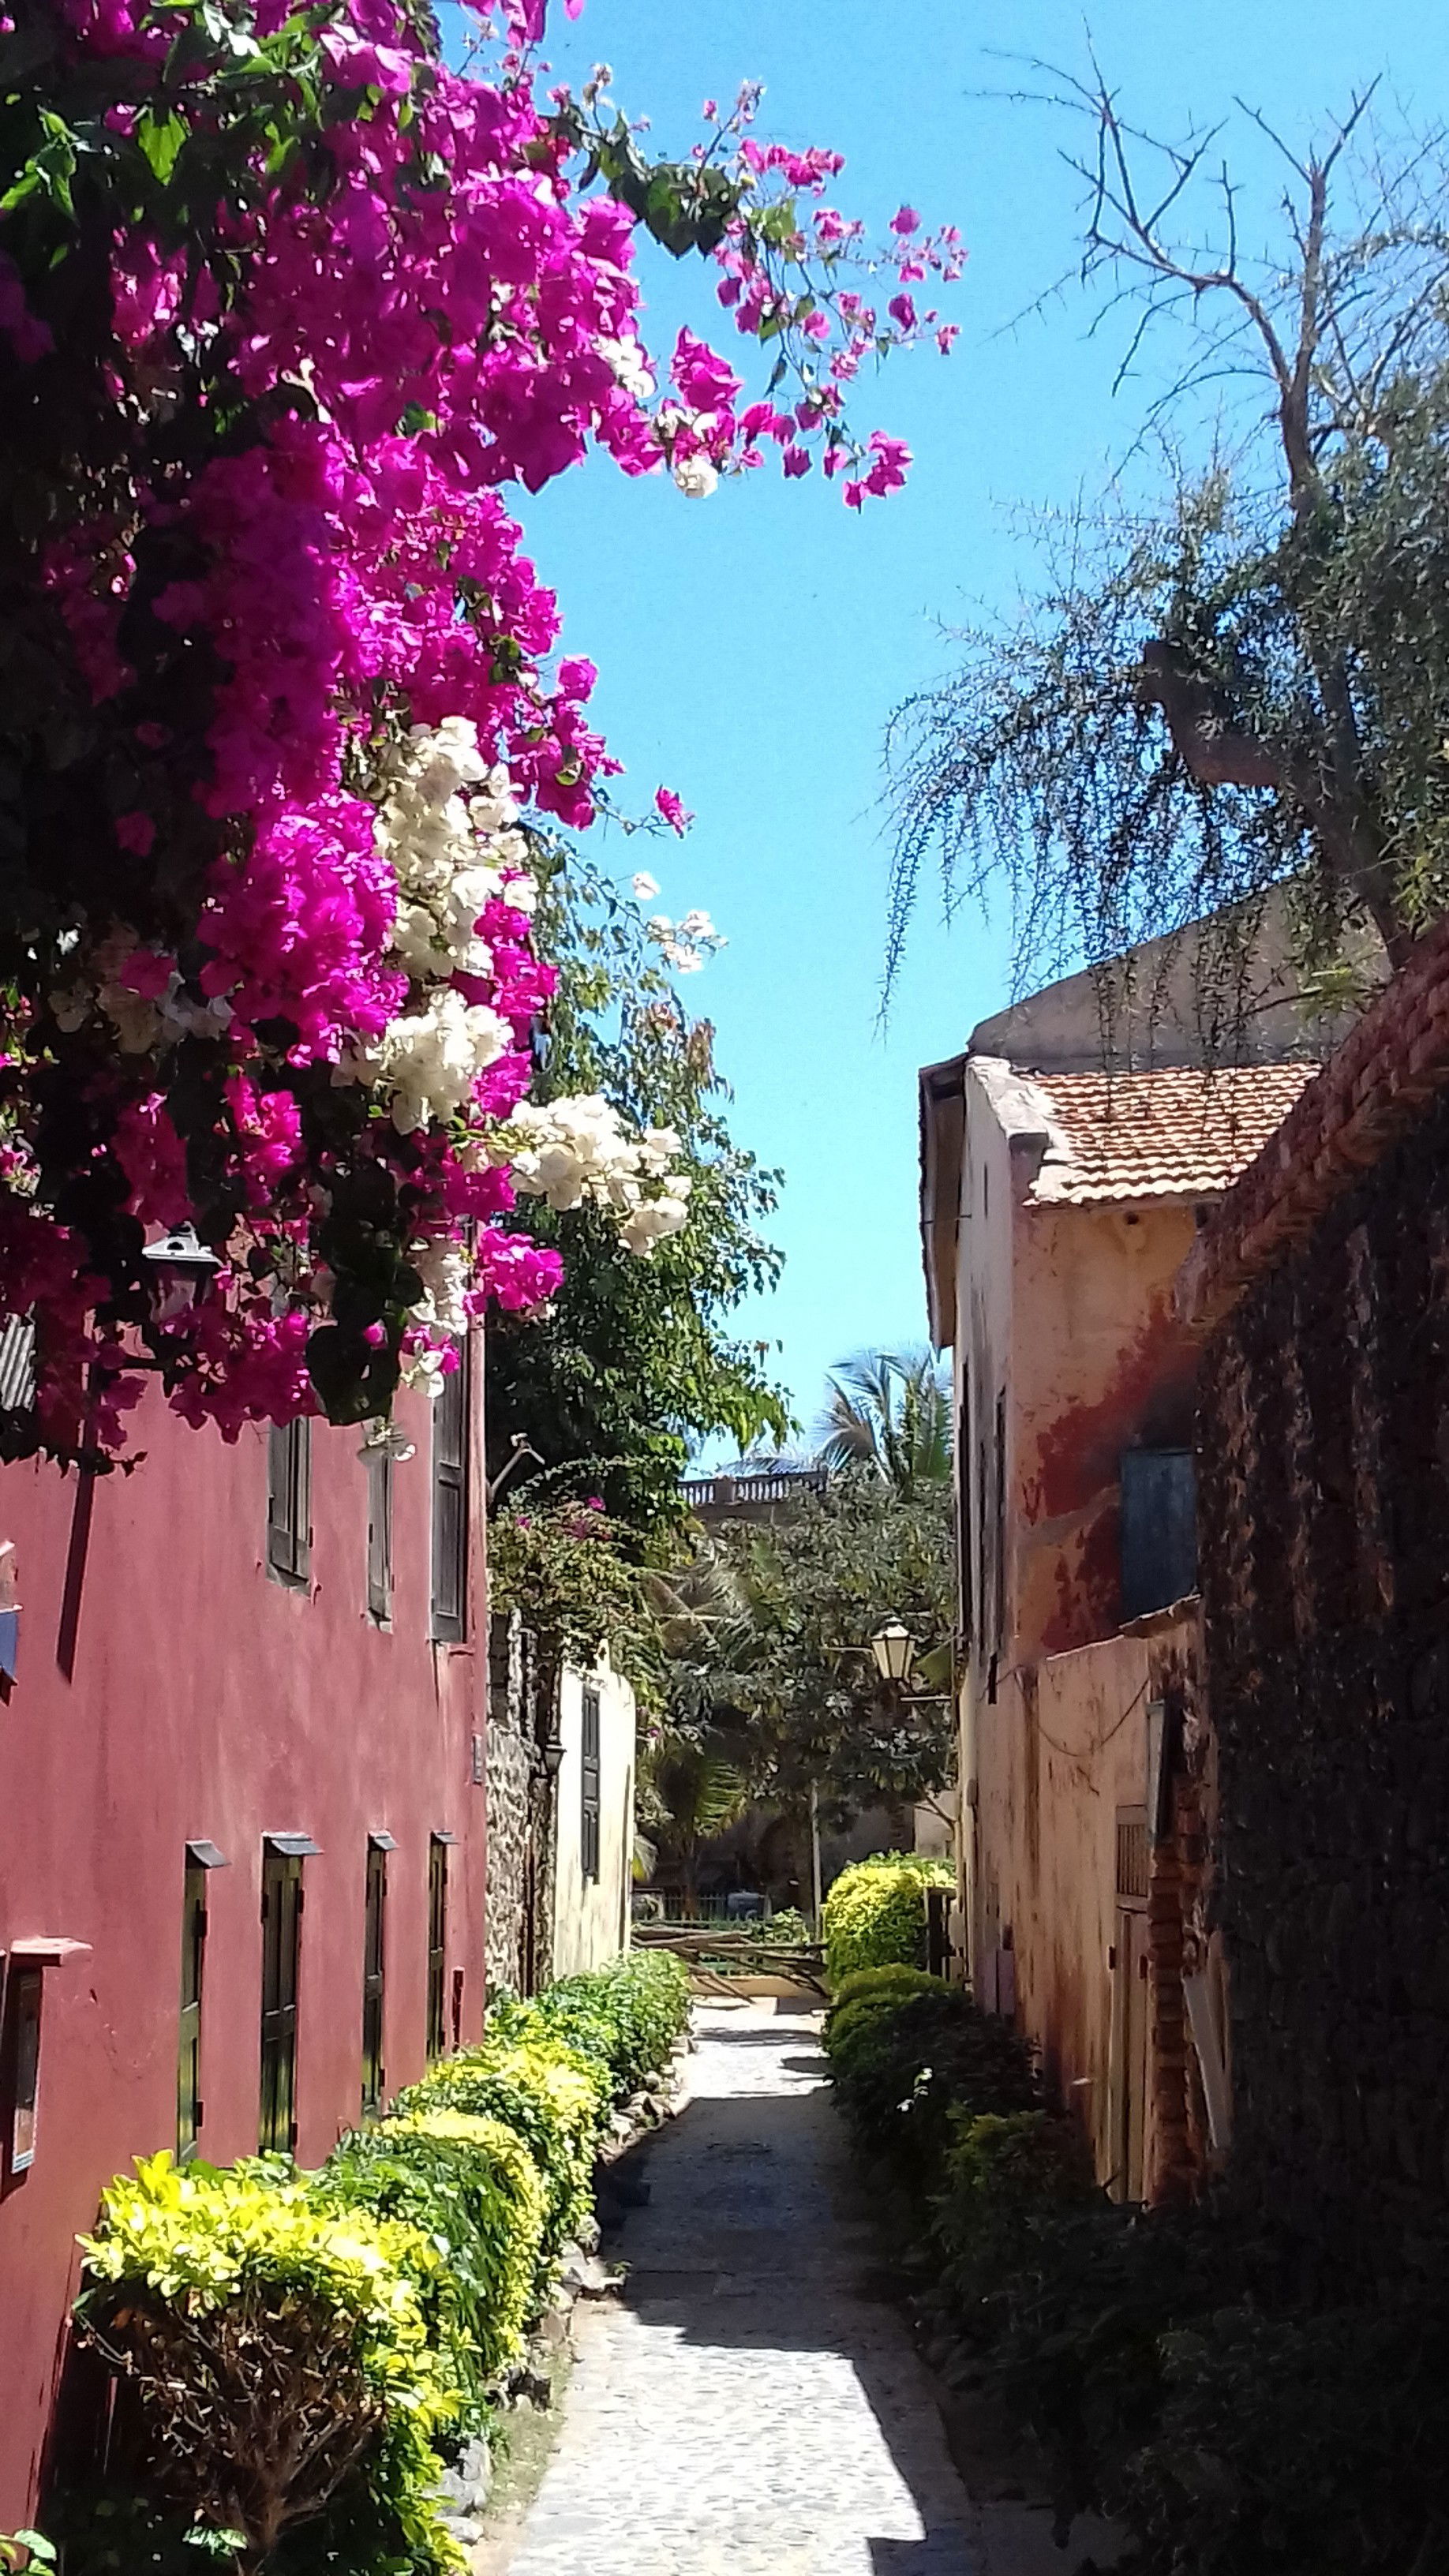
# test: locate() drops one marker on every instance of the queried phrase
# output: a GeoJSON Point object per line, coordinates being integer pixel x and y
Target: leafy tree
{"type": "Point", "coordinates": [634, 1361]}
{"type": "Point", "coordinates": [787, 1683]}
{"type": "Point", "coordinates": [1250, 682]}
{"type": "Point", "coordinates": [890, 1412]}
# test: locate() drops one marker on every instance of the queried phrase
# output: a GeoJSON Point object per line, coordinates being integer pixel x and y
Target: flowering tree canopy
{"type": "Point", "coordinates": [285, 304]}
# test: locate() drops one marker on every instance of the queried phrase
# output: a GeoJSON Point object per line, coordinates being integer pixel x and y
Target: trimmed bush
{"type": "Point", "coordinates": [471, 2189]}
{"type": "Point", "coordinates": [905, 2069]}
{"type": "Point", "coordinates": [628, 2015]}
{"type": "Point", "coordinates": [278, 2351]}
{"type": "Point", "coordinates": [875, 1913]}
{"type": "Point", "coordinates": [300, 2345]}
{"type": "Point", "coordinates": [553, 2096]}
{"type": "Point", "coordinates": [893, 1983]}
{"type": "Point", "coordinates": [1003, 2172]}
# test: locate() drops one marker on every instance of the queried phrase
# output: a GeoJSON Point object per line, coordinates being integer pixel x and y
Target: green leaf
{"type": "Point", "coordinates": [160, 136]}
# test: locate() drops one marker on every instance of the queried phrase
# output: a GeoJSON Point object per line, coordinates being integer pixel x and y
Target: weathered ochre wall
{"type": "Point", "coordinates": [591, 1916]}
{"type": "Point", "coordinates": [1062, 1749]}
{"type": "Point", "coordinates": [1099, 1363]}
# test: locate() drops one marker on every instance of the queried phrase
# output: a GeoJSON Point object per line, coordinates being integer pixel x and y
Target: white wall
{"type": "Point", "coordinates": [591, 1916]}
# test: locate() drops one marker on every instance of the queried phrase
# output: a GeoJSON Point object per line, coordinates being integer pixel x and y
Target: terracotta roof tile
{"type": "Point", "coordinates": [1179, 1134]}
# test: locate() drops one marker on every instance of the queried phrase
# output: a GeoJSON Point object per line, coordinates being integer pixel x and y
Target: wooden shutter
{"type": "Point", "coordinates": [589, 1777]}
{"type": "Point", "coordinates": [373, 1959]}
{"type": "Point", "coordinates": [437, 1942]}
{"type": "Point", "coordinates": [289, 1501]}
{"type": "Point", "coordinates": [450, 1504]}
{"type": "Point", "coordinates": [379, 1535]}
{"type": "Point", "coordinates": [281, 1958]}
{"type": "Point", "coordinates": [193, 1957]}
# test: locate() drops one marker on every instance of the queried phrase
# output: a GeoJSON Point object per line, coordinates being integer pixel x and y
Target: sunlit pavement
{"type": "Point", "coordinates": [755, 2407]}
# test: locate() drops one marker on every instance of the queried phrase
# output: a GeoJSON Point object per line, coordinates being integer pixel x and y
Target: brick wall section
{"type": "Point", "coordinates": [1369, 1093]}
{"type": "Point", "coordinates": [1324, 1529]}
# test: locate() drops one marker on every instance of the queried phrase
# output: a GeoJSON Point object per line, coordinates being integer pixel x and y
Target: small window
{"type": "Point", "coordinates": [450, 1504]}
{"type": "Point", "coordinates": [589, 1778]}
{"type": "Point", "coordinates": [289, 1502]}
{"type": "Point", "coordinates": [374, 2077]}
{"type": "Point", "coordinates": [437, 1941]}
{"type": "Point", "coordinates": [193, 1959]}
{"type": "Point", "coordinates": [1159, 1529]}
{"type": "Point", "coordinates": [379, 1536]}
{"type": "Point", "coordinates": [281, 1961]}
{"type": "Point", "coordinates": [26, 1985]}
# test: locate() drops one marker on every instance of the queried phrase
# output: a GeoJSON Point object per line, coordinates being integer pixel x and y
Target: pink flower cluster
{"type": "Point", "coordinates": [447, 314]}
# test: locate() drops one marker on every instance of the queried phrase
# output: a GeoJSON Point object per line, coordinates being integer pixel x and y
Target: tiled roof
{"type": "Point", "coordinates": [1368, 1094]}
{"type": "Point", "coordinates": [1173, 1134]}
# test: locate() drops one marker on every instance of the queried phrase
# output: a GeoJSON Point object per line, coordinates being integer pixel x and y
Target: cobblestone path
{"type": "Point", "coordinates": [754, 2407]}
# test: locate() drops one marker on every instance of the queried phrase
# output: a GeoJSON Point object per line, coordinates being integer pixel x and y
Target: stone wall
{"type": "Point", "coordinates": [519, 1908]}
{"type": "Point", "coordinates": [1324, 1506]}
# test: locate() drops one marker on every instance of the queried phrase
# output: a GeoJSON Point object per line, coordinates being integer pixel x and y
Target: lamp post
{"type": "Point", "coordinates": [894, 1649]}
{"type": "Point", "coordinates": [182, 1269]}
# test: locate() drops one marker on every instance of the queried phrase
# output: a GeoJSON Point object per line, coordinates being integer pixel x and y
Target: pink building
{"type": "Point", "coordinates": [242, 1821]}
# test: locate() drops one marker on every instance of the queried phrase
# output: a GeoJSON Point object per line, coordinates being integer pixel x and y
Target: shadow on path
{"type": "Point", "coordinates": [754, 2405]}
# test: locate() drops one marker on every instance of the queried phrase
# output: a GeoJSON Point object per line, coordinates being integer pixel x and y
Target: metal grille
{"type": "Point", "coordinates": [17, 1363]}
{"type": "Point", "coordinates": [1132, 1855]}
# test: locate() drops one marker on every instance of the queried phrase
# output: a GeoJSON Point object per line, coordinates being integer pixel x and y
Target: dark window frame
{"type": "Point", "coordinates": [289, 1503]}
{"type": "Point", "coordinates": [450, 1460]}
{"type": "Point", "coordinates": [374, 1974]}
{"type": "Point", "coordinates": [437, 2039]}
{"type": "Point", "coordinates": [190, 2105]}
{"type": "Point", "coordinates": [590, 1777]}
{"type": "Point", "coordinates": [379, 1537]}
{"type": "Point", "coordinates": [283, 1898]}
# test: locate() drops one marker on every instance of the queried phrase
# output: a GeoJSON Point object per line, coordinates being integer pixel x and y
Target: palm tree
{"type": "Point", "coordinates": [889, 1412]}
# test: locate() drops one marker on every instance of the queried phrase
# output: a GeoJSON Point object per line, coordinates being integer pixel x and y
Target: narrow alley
{"type": "Point", "coordinates": [754, 2406]}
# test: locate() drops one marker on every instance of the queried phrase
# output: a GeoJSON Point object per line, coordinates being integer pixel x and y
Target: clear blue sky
{"type": "Point", "coordinates": [752, 645]}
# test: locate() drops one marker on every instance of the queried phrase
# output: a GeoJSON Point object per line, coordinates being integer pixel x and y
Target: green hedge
{"type": "Point", "coordinates": [1157, 2355]}
{"type": "Point", "coordinates": [554, 2097]}
{"type": "Point", "coordinates": [371, 2304]}
{"type": "Point", "coordinates": [875, 1913]}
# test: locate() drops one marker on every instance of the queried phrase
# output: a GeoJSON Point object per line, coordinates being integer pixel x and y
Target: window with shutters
{"type": "Point", "coordinates": [374, 2077]}
{"type": "Point", "coordinates": [193, 1958]}
{"type": "Point", "coordinates": [379, 1537]}
{"type": "Point", "coordinates": [589, 1778]}
{"type": "Point", "coordinates": [281, 1959]}
{"type": "Point", "coordinates": [289, 1502]}
{"type": "Point", "coordinates": [450, 1504]}
{"type": "Point", "coordinates": [437, 1942]}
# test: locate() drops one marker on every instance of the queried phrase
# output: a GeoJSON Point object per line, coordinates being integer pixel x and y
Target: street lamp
{"type": "Point", "coordinates": [183, 1270]}
{"type": "Point", "coordinates": [894, 1649]}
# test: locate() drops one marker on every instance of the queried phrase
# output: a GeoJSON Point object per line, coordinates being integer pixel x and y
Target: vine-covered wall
{"type": "Point", "coordinates": [1324, 1502]}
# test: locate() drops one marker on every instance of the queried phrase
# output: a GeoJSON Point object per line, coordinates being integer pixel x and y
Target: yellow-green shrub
{"type": "Point", "coordinates": [556, 2099]}
{"type": "Point", "coordinates": [473, 2192]}
{"type": "Point", "coordinates": [875, 1914]}
{"type": "Point", "coordinates": [278, 2350]}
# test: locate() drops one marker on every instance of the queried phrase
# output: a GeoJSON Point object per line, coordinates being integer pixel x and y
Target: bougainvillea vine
{"type": "Point", "coordinates": [286, 305]}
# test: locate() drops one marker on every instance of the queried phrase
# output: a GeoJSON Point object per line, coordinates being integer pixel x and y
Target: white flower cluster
{"type": "Point", "coordinates": [696, 476]}
{"type": "Point", "coordinates": [630, 363]}
{"type": "Point", "coordinates": [686, 943]}
{"type": "Point", "coordinates": [576, 1151]}
{"type": "Point", "coordinates": [446, 825]}
{"type": "Point", "coordinates": [450, 854]}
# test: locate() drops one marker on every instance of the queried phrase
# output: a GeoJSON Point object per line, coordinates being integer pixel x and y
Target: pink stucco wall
{"type": "Point", "coordinates": [206, 1701]}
